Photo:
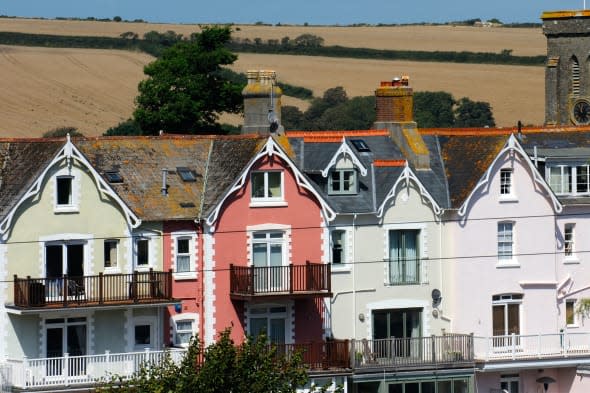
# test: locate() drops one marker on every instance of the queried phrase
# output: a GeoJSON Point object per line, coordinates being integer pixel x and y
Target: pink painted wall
{"type": "Point", "coordinates": [473, 247]}
{"type": "Point", "coordinates": [231, 246]}
{"type": "Point", "coordinates": [566, 380]}
{"type": "Point", "coordinates": [188, 291]}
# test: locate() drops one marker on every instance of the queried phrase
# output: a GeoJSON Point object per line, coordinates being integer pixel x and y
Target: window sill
{"type": "Point", "coordinates": [267, 203]}
{"type": "Point", "coordinates": [508, 264]}
{"type": "Point", "coordinates": [571, 260]}
{"type": "Point", "coordinates": [184, 276]}
{"type": "Point", "coordinates": [112, 270]}
{"type": "Point", "coordinates": [340, 269]}
{"type": "Point", "coordinates": [143, 268]}
{"type": "Point", "coordinates": [508, 199]}
{"type": "Point", "coordinates": [575, 326]}
{"type": "Point", "coordinates": [66, 209]}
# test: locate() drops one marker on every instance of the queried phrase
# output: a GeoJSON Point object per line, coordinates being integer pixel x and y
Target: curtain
{"type": "Point", "coordinates": [411, 256]}
{"type": "Point", "coordinates": [395, 268]}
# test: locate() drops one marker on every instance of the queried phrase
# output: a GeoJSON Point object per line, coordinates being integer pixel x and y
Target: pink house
{"type": "Point", "coordinates": [266, 246]}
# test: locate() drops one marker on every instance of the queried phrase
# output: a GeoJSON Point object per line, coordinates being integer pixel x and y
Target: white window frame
{"type": "Point", "coordinates": [508, 380]}
{"type": "Point", "coordinates": [341, 171]}
{"type": "Point", "coordinates": [192, 241]}
{"type": "Point", "coordinates": [266, 200]}
{"type": "Point", "coordinates": [573, 303]}
{"type": "Point", "coordinates": [507, 185]}
{"type": "Point", "coordinates": [569, 241]}
{"type": "Point", "coordinates": [116, 268]}
{"type": "Point", "coordinates": [73, 205]}
{"type": "Point", "coordinates": [145, 321]}
{"type": "Point", "coordinates": [345, 265]}
{"type": "Point", "coordinates": [270, 315]}
{"type": "Point", "coordinates": [563, 181]}
{"type": "Point", "coordinates": [504, 340]}
{"type": "Point", "coordinates": [504, 260]}
{"type": "Point", "coordinates": [151, 250]}
{"type": "Point", "coordinates": [194, 317]}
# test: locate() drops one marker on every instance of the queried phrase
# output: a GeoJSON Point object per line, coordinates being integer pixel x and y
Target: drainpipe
{"type": "Point", "coordinates": [353, 277]}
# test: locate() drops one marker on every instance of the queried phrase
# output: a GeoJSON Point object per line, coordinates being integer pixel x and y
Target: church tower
{"type": "Point", "coordinates": [567, 72]}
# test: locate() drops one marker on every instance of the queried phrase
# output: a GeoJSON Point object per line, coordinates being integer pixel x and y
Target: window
{"type": "Point", "coordinates": [338, 240]}
{"type": "Point", "coordinates": [184, 326]}
{"type": "Point", "coordinates": [143, 336]}
{"type": "Point", "coordinates": [569, 179]}
{"type": "Point", "coordinates": [267, 185]}
{"type": "Point", "coordinates": [404, 260]}
{"type": "Point", "coordinates": [186, 174]}
{"type": "Point", "coordinates": [570, 314]}
{"type": "Point", "coordinates": [267, 258]}
{"type": "Point", "coordinates": [183, 254]}
{"type": "Point", "coordinates": [110, 252]}
{"type": "Point", "coordinates": [65, 336]}
{"type": "Point", "coordinates": [568, 240]}
{"type": "Point", "coordinates": [505, 318]}
{"type": "Point", "coordinates": [509, 383]}
{"type": "Point", "coordinates": [271, 321]}
{"type": "Point", "coordinates": [64, 190]}
{"type": "Point", "coordinates": [575, 77]}
{"type": "Point", "coordinates": [342, 181]}
{"type": "Point", "coordinates": [404, 324]}
{"type": "Point", "coordinates": [142, 252]}
{"type": "Point", "coordinates": [505, 241]}
{"type": "Point", "coordinates": [114, 177]}
{"type": "Point", "coordinates": [360, 145]}
{"type": "Point", "coordinates": [144, 333]}
{"type": "Point", "coordinates": [506, 182]}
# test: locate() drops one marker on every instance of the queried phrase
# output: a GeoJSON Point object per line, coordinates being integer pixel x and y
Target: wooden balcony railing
{"type": "Point", "coordinates": [334, 354]}
{"type": "Point", "coordinates": [104, 289]}
{"type": "Point", "coordinates": [414, 352]}
{"type": "Point", "coordinates": [311, 279]}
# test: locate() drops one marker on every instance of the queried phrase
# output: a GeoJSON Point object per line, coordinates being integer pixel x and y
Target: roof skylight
{"type": "Point", "coordinates": [186, 174]}
{"type": "Point", "coordinates": [360, 145]}
{"type": "Point", "coordinates": [113, 177]}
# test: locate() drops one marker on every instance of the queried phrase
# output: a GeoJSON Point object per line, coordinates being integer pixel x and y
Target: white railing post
{"type": "Point", "coordinates": [107, 362]}
{"type": "Point", "coordinates": [513, 346]}
{"type": "Point", "coordinates": [565, 345]}
{"type": "Point", "coordinates": [25, 366]}
{"type": "Point", "coordinates": [65, 369]}
{"type": "Point", "coordinates": [539, 345]}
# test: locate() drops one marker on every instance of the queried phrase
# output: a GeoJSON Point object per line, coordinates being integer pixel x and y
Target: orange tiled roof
{"type": "Point", "coordinates": [500, 131]}
{"type": "Point", "coordinates": [336, 134]}
{"type": "Point", "coordinates": [389, 163]}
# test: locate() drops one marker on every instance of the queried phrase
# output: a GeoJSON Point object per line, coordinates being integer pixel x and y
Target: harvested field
{"type": "Point", "coordinates": [523, 41]}
{"type": "Point", "coordinates": [94, 89]}
{"type": "Point", "coordinates": [514, 92]}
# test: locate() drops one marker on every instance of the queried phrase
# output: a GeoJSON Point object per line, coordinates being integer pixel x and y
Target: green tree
{"type": "Point", "coordinates": [433, 109]}
{"type": "Point", "coordinates": [127, 127]}
{"type": "Point", "coordinates": [251, 367]}
{"type": "Point", "coordinates": [473, 114]}
{"type": "Point", "coordinates": [60, 132]}
{"type": "Point", "coordinates": [358, 113]}
{"type": "Point", "coordinates": [291, 118]}
{"type": "Point", "coordinates": [185, 91]}
{"type": "Point", "coordinates": [308, 41]}
{"type": "Point", "coordinates": [331, 98]}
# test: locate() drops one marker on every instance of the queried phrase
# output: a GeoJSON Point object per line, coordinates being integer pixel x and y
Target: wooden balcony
{"type": "Point", "coordinates": [104, 289]}
{"type": "Point", "coordinates": [309, 280]}
{"type": "Point", "coordinates": [326, 355]}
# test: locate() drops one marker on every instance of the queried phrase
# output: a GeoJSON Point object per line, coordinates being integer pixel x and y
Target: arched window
{"type": "Point", "coordinates": [575, 76]}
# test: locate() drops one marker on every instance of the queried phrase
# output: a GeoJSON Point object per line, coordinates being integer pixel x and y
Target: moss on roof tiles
{"type": "Point", "coordinates": [466, 159]}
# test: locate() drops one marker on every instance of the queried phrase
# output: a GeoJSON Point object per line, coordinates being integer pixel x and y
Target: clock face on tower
{"type": "Point", "coordinates": [581, 112]}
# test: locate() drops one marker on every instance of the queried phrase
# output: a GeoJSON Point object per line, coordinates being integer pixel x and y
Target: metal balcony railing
{"type": "Point", "coordinates": [102, 289]}
{"type": "Point", "coordinates": [309, 279]}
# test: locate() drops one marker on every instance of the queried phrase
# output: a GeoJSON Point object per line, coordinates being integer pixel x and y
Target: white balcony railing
{"type": "Point", "coordinates": [514, 347]}
{"type": "Point", "coordinates": [79, 370]}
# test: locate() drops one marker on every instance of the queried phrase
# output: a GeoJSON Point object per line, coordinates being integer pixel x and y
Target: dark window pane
{"type": "Point", "coordinates": [142, 334]}
{"type": "Point", "coordinates": [64, 190]}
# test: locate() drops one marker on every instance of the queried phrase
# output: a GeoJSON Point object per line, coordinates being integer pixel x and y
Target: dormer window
{"type": "Point", "coordinates": [569, 179]}
{"type": "Point", "coordinates": [342, 181]}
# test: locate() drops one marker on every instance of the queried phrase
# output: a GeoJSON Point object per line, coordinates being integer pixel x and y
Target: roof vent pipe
{"type": "Point", "coordinates": [164, 188]}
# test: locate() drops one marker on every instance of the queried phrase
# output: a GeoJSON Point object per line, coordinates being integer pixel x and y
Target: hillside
{"type": "Point", "coordinates": [94, 89]}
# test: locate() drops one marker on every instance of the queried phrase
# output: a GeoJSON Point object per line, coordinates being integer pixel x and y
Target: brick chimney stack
{"type": "Point", "coordinates": [395, 112]}
{"type": "Point", "coordinates": [262, 103]}
{"type": "Point", "coordinates": [395, 101]}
